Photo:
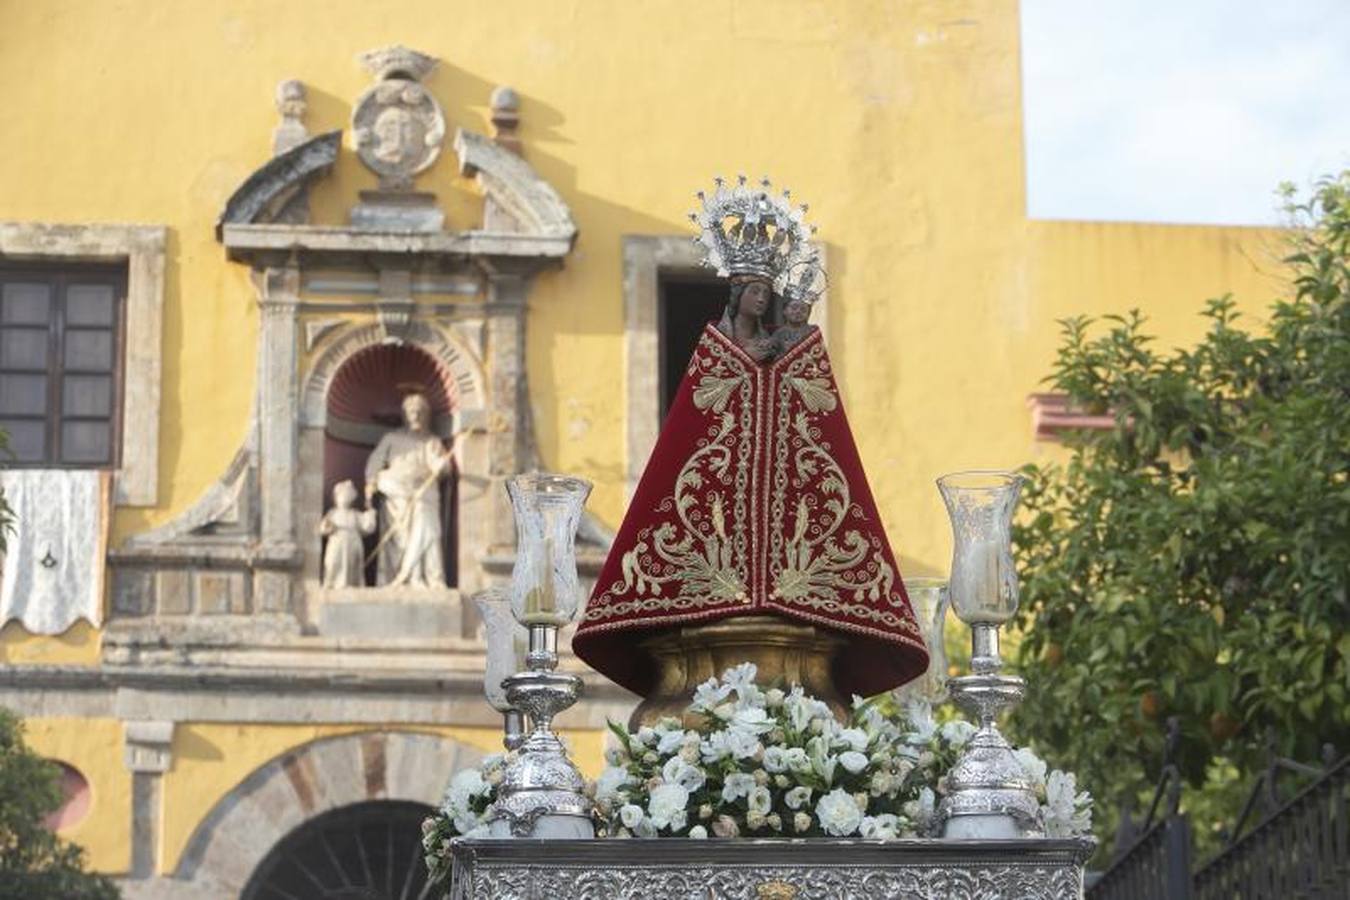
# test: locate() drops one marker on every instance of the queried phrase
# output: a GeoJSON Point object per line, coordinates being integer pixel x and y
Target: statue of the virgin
{"type": "Point", "coordinates": [753, 511]}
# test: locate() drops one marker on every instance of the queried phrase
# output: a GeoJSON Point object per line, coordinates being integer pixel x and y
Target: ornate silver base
{"type": "Point", "coordinates": [748, 869]}
{"type": "Point", "coordinates": [542, 794]}
{"type": "Point", "coordinates": [988, 792]}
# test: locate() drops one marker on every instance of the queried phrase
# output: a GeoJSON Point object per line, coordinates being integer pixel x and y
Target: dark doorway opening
{"type": "Point", "coordinates": [688, 301]}
{"type": "Point", "coordinates": [367, 851]}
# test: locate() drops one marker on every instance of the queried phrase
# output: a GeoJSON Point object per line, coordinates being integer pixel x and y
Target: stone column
{"type": "Point", "coordinates": [278, 430]}
{"type": "Point", "coordinates": [510, 438]}
{"type": "Point", "coordinates": [148, 753]}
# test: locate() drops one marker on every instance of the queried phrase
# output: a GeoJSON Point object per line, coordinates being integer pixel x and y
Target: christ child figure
{"type": "Point", "coordinates": [344, 525]}
{"type": "Point", "coordinates": [794, 328]}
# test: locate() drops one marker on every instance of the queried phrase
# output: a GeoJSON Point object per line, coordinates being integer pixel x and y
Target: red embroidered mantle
{"type": "Point", "coordinates": [754, 501]}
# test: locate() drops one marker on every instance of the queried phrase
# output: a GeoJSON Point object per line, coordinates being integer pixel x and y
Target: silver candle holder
{"type": "Point", "coordinates": [988, 793]}
{"type": "Point", "coordinates": [542, 794]}
{"type": "Point", "coordinates": [506, 650]}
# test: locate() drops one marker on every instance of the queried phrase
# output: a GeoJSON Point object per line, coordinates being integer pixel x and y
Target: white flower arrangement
{"type": "Point", "coordinates": [769, 762]}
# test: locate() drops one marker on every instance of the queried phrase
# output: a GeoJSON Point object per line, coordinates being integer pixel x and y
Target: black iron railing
{"type": "Point", "coordinates": [1153, 857]}
{"type": "Point", "coordinates": [1156, 867]}
{"type": "Point", "coordinates": [1300, 850]}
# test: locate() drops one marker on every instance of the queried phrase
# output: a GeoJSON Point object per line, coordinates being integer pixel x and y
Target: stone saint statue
{"type": "Point", "coordinates": [405, 469]}
{"type": "Point", "coordinates": [344, 555]}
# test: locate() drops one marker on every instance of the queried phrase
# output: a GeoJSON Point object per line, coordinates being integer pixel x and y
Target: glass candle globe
{"type": "Point", "coordinates": [983, 583]}
{"type": "Point", "coordinates": [547, 508]}
{"type": "Point", "coordinates": [506, 643]}
{"type": "Point", "coordinates": [928, 598]}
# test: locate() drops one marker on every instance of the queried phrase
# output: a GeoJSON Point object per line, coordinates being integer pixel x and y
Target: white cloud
{"type": "Point", "coordinates": [1182, 111]}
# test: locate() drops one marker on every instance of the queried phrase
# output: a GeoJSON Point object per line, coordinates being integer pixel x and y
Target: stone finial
{"type": "Point", "coordinates": [505, 104]}
{"type": "Point", "coordinates": [291, 103]}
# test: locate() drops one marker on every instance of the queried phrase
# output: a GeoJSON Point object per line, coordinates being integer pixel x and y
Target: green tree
{"type": "Point", "coordinates": [1195, 559]}
{"type": "Point", "coordinates": [34, 863]}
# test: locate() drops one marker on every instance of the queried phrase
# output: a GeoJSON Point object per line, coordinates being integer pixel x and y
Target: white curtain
{"type": "Point", "coordinates": [55, 557]}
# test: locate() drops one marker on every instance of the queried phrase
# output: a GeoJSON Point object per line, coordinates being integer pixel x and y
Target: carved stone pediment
{"type": "Point", "coordinates": [517, 200]}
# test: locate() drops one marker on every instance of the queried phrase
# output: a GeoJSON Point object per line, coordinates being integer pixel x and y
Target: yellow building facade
{"type": "Point", "coordinates": [501, 221]}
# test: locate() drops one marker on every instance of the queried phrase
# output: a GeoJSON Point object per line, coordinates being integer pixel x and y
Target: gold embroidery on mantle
{"type": "Point", "coordinates": [692, 559]}
{"type": "Point", "coordinates": [815, 561]}
{"type": "Point", "coordinates": [696, 555]}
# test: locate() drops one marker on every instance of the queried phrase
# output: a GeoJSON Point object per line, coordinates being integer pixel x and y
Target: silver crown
{"type": "Point", "coordinates": [748, 230]}
{"type": "Point", "coordinates": [806, 280]}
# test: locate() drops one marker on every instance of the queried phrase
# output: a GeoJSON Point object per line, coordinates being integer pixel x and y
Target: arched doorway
{"type": "Point", "coordinates": [365, 401]}
{"type": "Point", "coordinates": [366, 851]}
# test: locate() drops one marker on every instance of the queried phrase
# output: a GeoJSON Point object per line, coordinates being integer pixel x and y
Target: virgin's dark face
{"type": "Point", "coordinates": [755, 299]}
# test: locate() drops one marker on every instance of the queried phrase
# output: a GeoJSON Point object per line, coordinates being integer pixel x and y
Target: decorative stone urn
{"type": "Point", "coordinates": [785, 653]}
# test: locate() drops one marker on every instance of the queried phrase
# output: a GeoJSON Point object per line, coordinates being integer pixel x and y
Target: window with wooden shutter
{"type": "Point", "coordinates": [60, 363]}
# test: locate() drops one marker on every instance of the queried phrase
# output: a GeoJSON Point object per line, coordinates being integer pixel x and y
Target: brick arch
{"type": "Point", "coordinates": [306, 782]}
{"type": "Point", "coordinates": [463, 372]}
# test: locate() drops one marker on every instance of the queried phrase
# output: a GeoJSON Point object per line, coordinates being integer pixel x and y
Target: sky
{"type": "Point", "coordinates": [1183, 111]}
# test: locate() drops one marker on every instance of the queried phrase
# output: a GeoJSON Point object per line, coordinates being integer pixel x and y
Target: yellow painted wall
{"type": "Point", "coordinates": [94, 747]}
{"type": "Point", "coordinates": [77, 646]}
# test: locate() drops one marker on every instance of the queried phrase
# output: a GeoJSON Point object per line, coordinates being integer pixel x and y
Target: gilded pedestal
{"type": "Point", "coordinates": [785, 654]}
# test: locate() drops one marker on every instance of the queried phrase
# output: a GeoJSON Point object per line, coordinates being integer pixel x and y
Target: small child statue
{"type": "Point", "coordinates": [344, 556]}
{"type": "Point", "coordinates": [794, 327]}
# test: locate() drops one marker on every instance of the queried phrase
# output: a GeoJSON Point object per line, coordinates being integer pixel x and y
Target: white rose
{"type": "Point", "coordinates": [773, 698]}
{"type": "Point", "coordinates": [666, 803]}
{"type": "Point", "coordinates": [743, 744]}
{"type": "Point", "coordinates": [801, 822]}
{"type": "Point", "coordinates": [855, 738]}
{"type": "Point", "coordinates": [760, 800]}
{"type": "Point", "coordinates": [630, 815]}
{"type": "Point", "coordinates": [610, 782]}
{"type": "Point", "coordinates": [647, 736]}
{"type": "Point", "coordinates": [669, 742]}
{"type": "Point", "coordinates": [797, 797]}
{"type": "Point", "coordinates": [883, 827]}
{"type": "Point", "coordinates": [853, 761]}
{"type": "Point", "coordinates": [797, 759]}
{"type": "Point", "coordinates": [677, 771]}
{"type": "Point", "coordinates": [698, 833]}
{"type": "Point", "coordinates": [775, 759]}
{"type": "Point", "coordinates": [838, 813]}
{"type": "Point", "coordinates": [754, 820]}
{"type": "Point", "coordinates": [469, 783]}
{"type": "Point", "coordinates": [715, 747]}
{"type": "Point", "coordinates": [737, 785]}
